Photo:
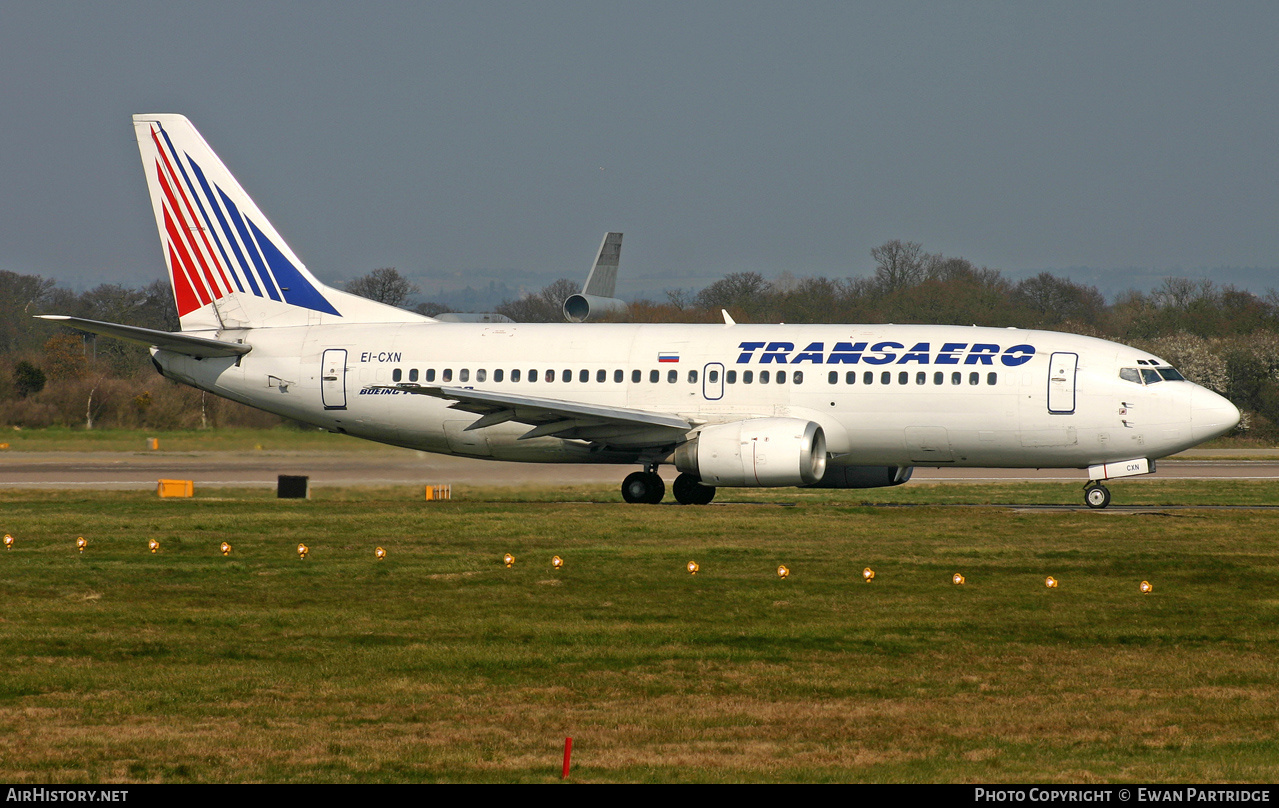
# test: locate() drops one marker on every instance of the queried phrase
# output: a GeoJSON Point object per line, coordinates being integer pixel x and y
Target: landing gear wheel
{"type": "Point", "coordinates": [643, 486]}
{"type": "Point", "coordinates": [1097, 496]}
{"type": "Point", "coordinates": [690, 491]}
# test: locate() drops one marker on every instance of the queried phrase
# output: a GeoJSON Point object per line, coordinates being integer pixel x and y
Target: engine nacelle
{"type": "Point", "coordinates": [863, 476]}
{"type": "Point", "coordinates": [579, 308]}
{"type": "Point", "coordinates": [760, 452]}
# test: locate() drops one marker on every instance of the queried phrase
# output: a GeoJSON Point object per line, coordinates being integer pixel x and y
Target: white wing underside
{"type": "Point", "coordinates": [607, 426]}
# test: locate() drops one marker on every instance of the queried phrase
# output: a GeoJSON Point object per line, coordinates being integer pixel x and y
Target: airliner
{"type": "Point", "coordinates": [728, 405]}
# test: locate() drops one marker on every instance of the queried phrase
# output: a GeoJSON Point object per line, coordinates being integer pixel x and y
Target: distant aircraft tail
{"type": "Point", "coordinates": [228, 265]}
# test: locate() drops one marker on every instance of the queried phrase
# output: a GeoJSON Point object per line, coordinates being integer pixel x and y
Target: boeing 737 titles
{"type": "Point", "coordinates": [739, 405]}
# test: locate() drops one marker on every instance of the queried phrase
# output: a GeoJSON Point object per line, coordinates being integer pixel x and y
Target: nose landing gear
{"type": "Point", "coordinates": [1096, 495]}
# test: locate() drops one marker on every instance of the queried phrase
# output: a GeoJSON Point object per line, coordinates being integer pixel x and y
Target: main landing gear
{"type": "Point", "coordinates": [646, 487]}
{"type": "Point", "coordinates": [643, 486]}
{"type": "Point", "coordinates": [1096, 495]}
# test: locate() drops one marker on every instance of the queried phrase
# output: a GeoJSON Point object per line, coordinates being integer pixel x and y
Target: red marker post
{"type": "Point", "coordinates": [568, 754]}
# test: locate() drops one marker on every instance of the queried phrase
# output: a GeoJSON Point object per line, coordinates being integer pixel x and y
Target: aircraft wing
{"type": "Point", "coordinates": [187, 344]}
{"type": "Point", "coordinates": [610, 426]}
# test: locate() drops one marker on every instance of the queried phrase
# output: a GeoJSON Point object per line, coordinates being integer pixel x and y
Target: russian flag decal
{"type": "Point", "coordinates": [668, 356]}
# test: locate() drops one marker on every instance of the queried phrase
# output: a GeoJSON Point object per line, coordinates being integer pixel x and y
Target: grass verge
{"type": "Point", "coordinates": [440, 664]}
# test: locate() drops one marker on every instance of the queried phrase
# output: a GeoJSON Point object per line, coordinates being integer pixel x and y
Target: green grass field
{"type": "Point", "coordinates": [440, 664]}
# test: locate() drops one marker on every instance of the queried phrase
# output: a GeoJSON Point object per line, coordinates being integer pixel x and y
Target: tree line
{"type": "Point", "coordinates": [1224, 338]}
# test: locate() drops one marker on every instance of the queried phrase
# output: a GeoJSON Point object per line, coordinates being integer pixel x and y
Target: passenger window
{"type": "Point", "coordinates": [430, 374]}
{"type": "Point", "coordinates": [672, 376]}
{"type": "Point", "coordinates": [654, 376]}
{"type": "Point", "coordinates": [618, 376]}
{"type": "Point", "coordinates": [763, 377]}
{"type": "Point", "coordinates": [550, 375]}
{"type": "Point", "coordinates": [886, 377]}
{"type": "Point", "coordinates": [798, 378]}
{"type": "Point", "coordinates": [566, 376]}
{"type": "Point", "coordinates": [413, 375]}
{"type": "Point", "coordinates": [903, 377]}
{"type": "Point", "coordinates": [464, 375]}
{"type": "Point", "coordinates": [939, 377]}
{"type": "Point", "coordinates": [992, 378]}
{"type": "Point", "coordinates": [497, 375]}
{"type": "Point", "coordinates": [731, 377]}
{"type": "Point", "coordinates": [956, 378]}
{"type": "Point", "coordinates": [481, 375]}
{"type": "Point", "coordinates": [635, 377]}
{"type": "Point", "coordinates": [868, 377]}
{"type": "Point", "coordinates": [532, 375]}
{"type": "Point", "coordinates": [974, 378]}
{"type": "Point", "coordinates": [692, 376]}
{"type": "Point", "coordinates": [447, 375]}
{"type": "Point", "coordinates": [396, 375]}
{"type": "Point", "coordinates": [515, 375]}
{"type": "Point", "coordinates": [832, 377]}
{"type": "Point", "coordinates": [713, 376]}
{"type": "Point", "coordinates": [850, 377]}
{"type": "Point", "coordinates": [747, 376]}
{"type": "Point", "coordinates": [781, 377]}
{"type": "Point", "coordinates": [601, 375]}
{"type": "Point", "coordinates": [921, 377]}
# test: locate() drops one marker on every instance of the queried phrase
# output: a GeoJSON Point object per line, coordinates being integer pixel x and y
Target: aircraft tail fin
{"type": "Point", "coordinates": [228, 265]}
{"type": "Point", "coordinates": [602, 282]}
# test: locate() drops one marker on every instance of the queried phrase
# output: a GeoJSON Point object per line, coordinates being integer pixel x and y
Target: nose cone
{"type": "Point", "coordinates": [1211, 415]}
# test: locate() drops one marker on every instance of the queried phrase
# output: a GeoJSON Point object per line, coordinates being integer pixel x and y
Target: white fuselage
{"type": "Point", "coordinates": [892, 395]}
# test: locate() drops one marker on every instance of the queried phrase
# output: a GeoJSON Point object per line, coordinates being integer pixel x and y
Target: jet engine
{"type": "Point", "coordinates": [756, 452]}
{"type": "Point", "coordinates": [581, 307]}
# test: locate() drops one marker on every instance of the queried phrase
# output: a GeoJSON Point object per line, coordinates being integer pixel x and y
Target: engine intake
{"type": "Point", "coordinates": [763, 452]}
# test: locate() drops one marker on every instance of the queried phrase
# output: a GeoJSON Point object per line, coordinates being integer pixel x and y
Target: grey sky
{"type": "Point", "coordinates": [486, 140]}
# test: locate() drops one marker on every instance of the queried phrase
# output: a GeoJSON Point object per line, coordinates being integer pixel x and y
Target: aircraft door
{"type": "Point", "coordinates": [333, 379]}
{"type": "Point", "coordinates": [1062, 368]}
{"type": "Point", "coordinates": [713, 381]}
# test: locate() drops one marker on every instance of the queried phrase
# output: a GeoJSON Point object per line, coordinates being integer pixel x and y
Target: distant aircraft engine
{"type": "Point", "coordinates": [579, 308]}
{"type": "Point", "coordinates": [863, 476]}
{"type": "Point", "coordinates": [756, 452]}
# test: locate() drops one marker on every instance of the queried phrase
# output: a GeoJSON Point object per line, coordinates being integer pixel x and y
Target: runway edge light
{"type": "Point", "coordinates": [957, 579]}
{"type": "Point", "coordinates": [868, 574]}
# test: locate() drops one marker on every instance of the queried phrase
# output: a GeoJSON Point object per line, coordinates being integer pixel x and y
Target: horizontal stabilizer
{"type": "Point", "coordinates": [186, 344]}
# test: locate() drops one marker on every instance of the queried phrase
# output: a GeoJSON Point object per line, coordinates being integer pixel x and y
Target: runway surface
{"type": "Point", "coordinates": [141, 470]}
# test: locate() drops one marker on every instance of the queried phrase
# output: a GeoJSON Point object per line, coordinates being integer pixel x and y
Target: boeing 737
{"type": "Point", "coordinates": [732, 405]}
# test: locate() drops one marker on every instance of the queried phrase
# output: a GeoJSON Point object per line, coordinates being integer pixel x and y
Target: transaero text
{"type": "Point", "coordinates": [884, 353]}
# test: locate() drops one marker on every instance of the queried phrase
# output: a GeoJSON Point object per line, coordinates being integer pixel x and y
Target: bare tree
{"type": "Point", "coordinates": [898, 264]}
{"type": "Point", "coordinates": [385, 285]}
{"type": "Point", "coordinates": [545, 306]}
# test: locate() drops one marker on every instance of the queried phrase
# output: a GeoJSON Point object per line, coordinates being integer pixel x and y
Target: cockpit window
{"type": "Point", "coordinates": [1150, 375]}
